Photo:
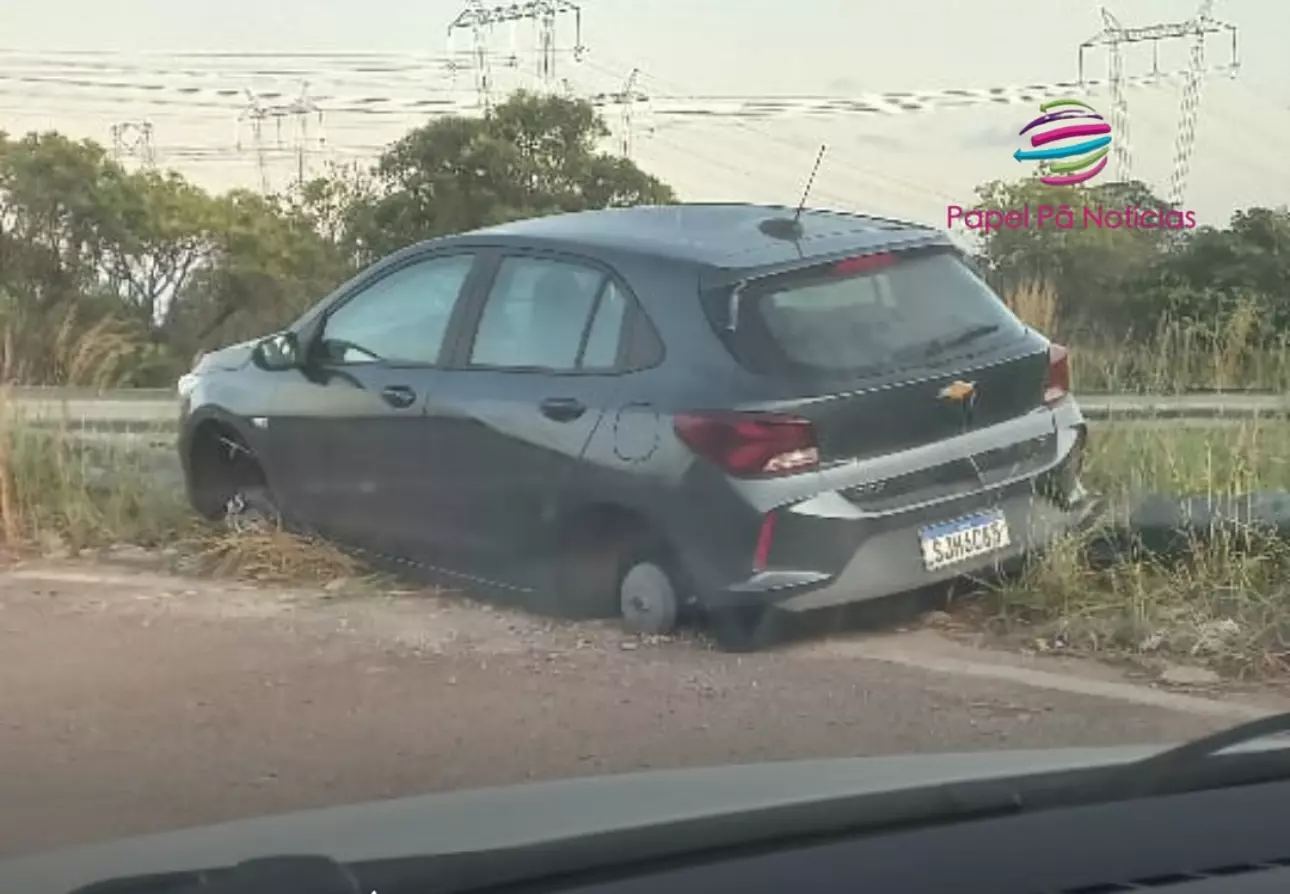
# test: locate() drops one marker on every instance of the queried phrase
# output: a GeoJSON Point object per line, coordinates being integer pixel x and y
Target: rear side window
{"type": "Point", "coordinates": [552, 315]}
{"type": "Point", "coordinates": [601, 351]}
{"type": "Point", "coordinates": [867, 316]}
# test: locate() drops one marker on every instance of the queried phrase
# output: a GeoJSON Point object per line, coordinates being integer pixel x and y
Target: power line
{"type": "Point", "coordinates": [672, 105]}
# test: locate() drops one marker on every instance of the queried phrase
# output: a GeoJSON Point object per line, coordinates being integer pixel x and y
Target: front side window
{"type": "Point", "coordinates": [537, 314]}
{"type": "Point", "coordinates": [401, 318]}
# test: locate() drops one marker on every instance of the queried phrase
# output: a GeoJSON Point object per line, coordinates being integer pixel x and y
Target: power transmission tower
{"type": "Point", "coordinates": [476, 18]}
{"type": "Point", "coordinates": [1185, 145]}
{"type": "Point", "coordinates": [627, 98]}
{"type": "Point", "coordinates": [255, 112]}
{"type": "Point", "coordinates": [134, 139]}
{"type": "Point", "coordinates": [1115, 36]}
{"type": "Point", "coordinates": [301, 111]}
{"type": "Point", "coordinates": [480, 20]}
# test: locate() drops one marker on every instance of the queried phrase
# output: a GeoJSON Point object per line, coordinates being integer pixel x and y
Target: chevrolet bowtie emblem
{"type": "Point", "coordinates": [958, 392]}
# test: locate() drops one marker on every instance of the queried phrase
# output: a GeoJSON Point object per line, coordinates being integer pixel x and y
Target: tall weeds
{"type": "Point", "coordinates": [1229, 354]}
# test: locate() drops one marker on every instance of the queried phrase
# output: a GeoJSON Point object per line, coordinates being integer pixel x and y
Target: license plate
{"type": "Point", "coordinates": [952, 542]}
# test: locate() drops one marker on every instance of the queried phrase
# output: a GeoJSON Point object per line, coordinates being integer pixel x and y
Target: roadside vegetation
{"type": "Point", "coordinates": [117, 278]}
{"type": "Point", "coordinates": [1221, 596]}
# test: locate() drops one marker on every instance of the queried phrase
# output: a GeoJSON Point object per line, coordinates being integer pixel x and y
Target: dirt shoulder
{"type": "Point", "coordinates": [134, 701]}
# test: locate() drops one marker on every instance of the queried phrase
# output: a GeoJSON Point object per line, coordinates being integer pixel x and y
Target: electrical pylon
{"type": "Point", "coordinates": [134, 139]}
{"type": "Point", "coordinates": [300, 111]}
{"type": "Point", "coordinates": [1189, 111]}
{"type": "Point", "coordinates": [626, 99]}
{"type": "Point", "coordinates": [545, 14]}
{"type": "Point", "coordinates": [1196, 29]}
{"type": "Point", "coordinates": [1113, 36]}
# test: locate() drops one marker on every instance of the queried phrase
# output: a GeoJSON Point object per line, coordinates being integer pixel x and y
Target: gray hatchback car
{"type": "Point", "coordinates": [724, 410]}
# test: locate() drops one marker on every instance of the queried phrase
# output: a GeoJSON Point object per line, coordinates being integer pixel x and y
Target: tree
{"type": "Point", "coordinates": [145, 268]}
{"type": "Point", "coordinates": [267, 266]}
{"type": "Point", "coordinates": [1091, 268]}
{"type": "Point", "coordinates": [1214, 272]}
{"type": "Point", "coordinates": [55, 194]}
{"type": "Point", "coordinates": [530, 156]}
{"type": "Point", "coordinates": [157, 230]}
{"type": "Point", "coordinates": [337, 205]}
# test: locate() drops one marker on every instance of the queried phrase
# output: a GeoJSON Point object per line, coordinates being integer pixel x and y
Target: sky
{"type": "Point", "coordinates": [909, 165]}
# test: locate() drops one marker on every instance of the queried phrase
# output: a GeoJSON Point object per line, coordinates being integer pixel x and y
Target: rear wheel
{"type": "Point", "coordinates": [613, 566]}
{"type": "Point", "coordinates": [647, 599]}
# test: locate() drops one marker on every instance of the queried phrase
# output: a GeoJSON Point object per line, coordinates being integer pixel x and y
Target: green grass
{"type": "Point", "coordinates": [65, 489]}
{"type": "Point", "coordinates": [1173, 456]}
{"type": "Point", "coordinates": [1225, 604]}
{"type": "Point", "coordinates": [62, 487]}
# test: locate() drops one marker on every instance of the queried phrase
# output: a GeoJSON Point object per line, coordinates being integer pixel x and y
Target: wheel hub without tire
{"type": "Point", "coordinates": [648, 600]}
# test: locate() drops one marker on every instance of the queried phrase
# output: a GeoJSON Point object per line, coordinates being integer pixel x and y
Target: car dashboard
{"type": "Point", "coordinates": [1230, 840]}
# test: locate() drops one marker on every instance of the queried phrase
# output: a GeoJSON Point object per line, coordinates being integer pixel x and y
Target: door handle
{"type": "Point", "coordinates": [399, 396]}
{"type": "Point", "coordinates": [562, 409]}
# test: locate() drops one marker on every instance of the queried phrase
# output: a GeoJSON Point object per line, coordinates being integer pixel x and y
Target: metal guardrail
{"type": "Point", "coordinates": [157, 408]}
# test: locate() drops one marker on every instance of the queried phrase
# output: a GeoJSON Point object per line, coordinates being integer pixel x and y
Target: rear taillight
{"type": "Point", "coordinates": [1057, 381]}
{"type": "Point", "coordinates": [750, 444]}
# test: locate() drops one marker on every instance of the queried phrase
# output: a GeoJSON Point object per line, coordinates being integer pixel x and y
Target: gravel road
{"type": "Point", "coordinates": [135, 702]}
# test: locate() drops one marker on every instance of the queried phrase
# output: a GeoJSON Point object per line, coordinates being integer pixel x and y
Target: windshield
{"type": "Point", "coordinates": [407, 398]}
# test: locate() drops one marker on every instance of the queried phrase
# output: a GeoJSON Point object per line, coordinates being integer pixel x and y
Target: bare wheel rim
{"type": "Point", "coordinates": [647, 599]}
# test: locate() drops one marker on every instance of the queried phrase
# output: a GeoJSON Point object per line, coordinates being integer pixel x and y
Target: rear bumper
{"type": "Point", "coordinates": [889, 561]}
{"type": "Point", "coordinates": [828, 552]}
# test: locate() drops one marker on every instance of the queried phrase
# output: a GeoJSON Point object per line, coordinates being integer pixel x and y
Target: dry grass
{"type": "Point", "coordinates": [1188, 356]}
{"type": "Point", "coordinates": [59, 487]}
{"type": "Point", "coordinates": [107, 352]}
{"type": "Point", "coordinates": [272, 555]}
{"type": "Point", "coordinates": [60, 491]}
{"type": "Point", "coordinates": [1226, 602]}
{"type": "Point", "coordinates": [67, 489]}
{"type": "Point", "coordinates": [1226, 355]}
{"type": "Point", "coordinates": [1035, 303]}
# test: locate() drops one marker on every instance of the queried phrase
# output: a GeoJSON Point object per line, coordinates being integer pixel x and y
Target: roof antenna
{"type": "Point", "coordinates": [791, 228]}
{"type": "Point", "coordinates": [801, 206]}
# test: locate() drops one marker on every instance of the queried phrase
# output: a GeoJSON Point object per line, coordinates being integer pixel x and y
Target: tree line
{"type": "Point", "coordinates": [1118, 283]}
{"type": "Point", "coordinates": [113, 276]}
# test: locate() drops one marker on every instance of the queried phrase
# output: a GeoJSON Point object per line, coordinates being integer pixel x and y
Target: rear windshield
{"type": "Point", "coordinates": [898, 312]}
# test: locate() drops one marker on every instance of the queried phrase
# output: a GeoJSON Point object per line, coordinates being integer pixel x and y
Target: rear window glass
{"type": "Point", "coordinates": [910, 311]}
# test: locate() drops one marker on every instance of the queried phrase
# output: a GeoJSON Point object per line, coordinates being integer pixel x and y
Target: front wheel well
{"type": "Point", "coordinates": [221, 464]}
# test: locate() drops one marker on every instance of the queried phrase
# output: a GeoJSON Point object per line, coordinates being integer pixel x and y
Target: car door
{"type": "Point", "coordinates": [535, 371]}
{"type": "Point", "coordinates": [352, 421]}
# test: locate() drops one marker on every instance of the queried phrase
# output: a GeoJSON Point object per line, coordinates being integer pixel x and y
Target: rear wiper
{"type": "Point", "coordinates": [940, 346]}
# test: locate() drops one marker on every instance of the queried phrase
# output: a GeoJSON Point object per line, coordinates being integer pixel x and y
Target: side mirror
{"type": "Point", "coordinates": [277, 352]}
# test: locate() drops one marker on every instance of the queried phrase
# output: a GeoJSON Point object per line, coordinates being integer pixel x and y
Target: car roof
{"type": "Point", "coordinates": [723, 235]}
